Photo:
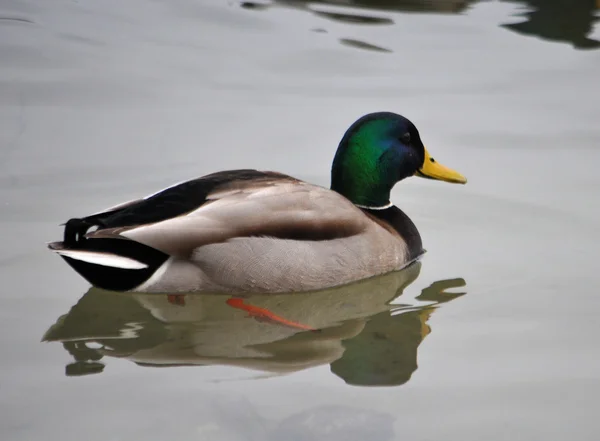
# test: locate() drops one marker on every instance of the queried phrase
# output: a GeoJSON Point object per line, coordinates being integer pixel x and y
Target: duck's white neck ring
{"type": "Point", "coordinates": [383, 207]}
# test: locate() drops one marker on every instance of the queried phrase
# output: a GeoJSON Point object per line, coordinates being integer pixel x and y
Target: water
{"type": "Point", "coordinates": [494, 333]}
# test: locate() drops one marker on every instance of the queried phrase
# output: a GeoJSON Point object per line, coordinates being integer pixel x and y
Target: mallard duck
{"type": "Point", "coordinates": [263, 231]}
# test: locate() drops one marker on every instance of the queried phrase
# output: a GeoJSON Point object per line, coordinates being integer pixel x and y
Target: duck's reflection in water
{"type": "Point", "coordinates": [367, 338]}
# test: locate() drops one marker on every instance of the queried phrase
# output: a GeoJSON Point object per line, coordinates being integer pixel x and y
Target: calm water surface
{"type": "Point", "coordinates": [493, 336]}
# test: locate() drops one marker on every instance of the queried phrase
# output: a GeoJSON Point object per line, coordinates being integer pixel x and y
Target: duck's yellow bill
{"type": "Point", "coordinates": [432, 169]}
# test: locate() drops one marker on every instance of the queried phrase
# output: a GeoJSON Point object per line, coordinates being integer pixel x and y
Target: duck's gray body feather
{"type": "Point", "coordinates": [269, 233]}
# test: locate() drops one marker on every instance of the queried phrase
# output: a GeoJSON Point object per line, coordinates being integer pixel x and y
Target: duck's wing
{"type": "Point", "coordinates": [170, 202]}
{"type": "Point", "coordinates": [223, 206]}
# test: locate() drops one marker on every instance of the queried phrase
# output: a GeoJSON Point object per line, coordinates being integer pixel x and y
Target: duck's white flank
{"type": "Point", "coordinates": [155, 277]}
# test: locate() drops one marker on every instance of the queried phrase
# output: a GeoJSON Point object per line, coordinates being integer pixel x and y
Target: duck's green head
{"type": "Point", "coordinates": [375, 153]}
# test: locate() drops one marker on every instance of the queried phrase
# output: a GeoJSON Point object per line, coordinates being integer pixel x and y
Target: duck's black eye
{"type": "Point", "coordinates": [405, 138]}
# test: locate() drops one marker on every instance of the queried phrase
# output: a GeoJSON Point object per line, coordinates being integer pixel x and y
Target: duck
{"type": "Point", "coordinates": [246, 230]}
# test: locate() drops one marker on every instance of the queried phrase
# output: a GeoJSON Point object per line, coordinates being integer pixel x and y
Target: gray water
{"type": "Point", "coordinates": [493, 336]}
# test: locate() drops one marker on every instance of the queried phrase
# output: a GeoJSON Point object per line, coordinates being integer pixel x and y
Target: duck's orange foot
{"type": "Point", "coordinates": [176, 299]}
{"type": "Point", "coordinates": [263, 315]}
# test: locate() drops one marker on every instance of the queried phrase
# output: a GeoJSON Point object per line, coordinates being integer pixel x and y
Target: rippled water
{"type": "Point", "coordinates": [491, 336]}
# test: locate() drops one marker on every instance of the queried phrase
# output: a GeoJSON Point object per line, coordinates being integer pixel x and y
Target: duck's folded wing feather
{"type": "Point", "coordinates": [177, 199]}
{"type": "Point", "coordinates": [277, 208]}
{"type": "Point", "coordinates": [174, 201]}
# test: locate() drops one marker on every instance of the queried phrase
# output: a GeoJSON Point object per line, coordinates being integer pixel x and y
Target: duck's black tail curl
{"type": "Point", "coordinates": [116, 264]}
{"type": "Point", "coordinates": [75, 230]}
